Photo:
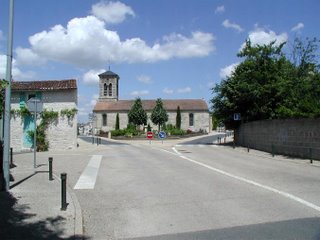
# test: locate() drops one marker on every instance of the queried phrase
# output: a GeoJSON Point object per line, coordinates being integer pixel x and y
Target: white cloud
{"type": "Point", "coordinates": [184, 90]}
{"type": "Point", "coordinates": [144, 79]}
{"type": "Point", "coordinates": [17, 74]}
{"type": "Point", "coordinates": [85, 42]}
{"type": "Point", "coordinates": [227, 24]}
{"type": "Point", "coordinates": [298, 27]}
{"type": "Point", "coordinates": [227, 71]}
{"type": "Point", "coordinates": [111, 12]}
{"type": "Point", "coordinates": [91, 77]}
{"type": "Point", "coordinates": [262, 37]}
{"type": "Point", "coordinates": [139, 93]}
{"type": "Point", "coordinates": [167, 91]}
{"type": "Point", "coordinates": [26, 56]}
{"type": "Point", "coordinates": [220, 9]}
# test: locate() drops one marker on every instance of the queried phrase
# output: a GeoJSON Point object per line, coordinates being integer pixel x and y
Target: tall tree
{"type": "Point", "coordinates": [178, 118]}
{"type": "Point", "coordinates": [137, 115]}
{"type": "Point", "coordinates": [159, 114]}
{"type": "Point", "coordinates": [267, 85]}
{"type": "Point", "coordinates": [117, 122]}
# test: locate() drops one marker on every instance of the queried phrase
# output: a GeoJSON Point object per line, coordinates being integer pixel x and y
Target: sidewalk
{"type": "Point", "coordinates": [31, 209]}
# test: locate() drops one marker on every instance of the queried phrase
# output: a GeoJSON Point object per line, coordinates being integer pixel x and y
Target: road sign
{"type": "Point", "coordinates": [236, 116]}
{"type": "Point", "coordinates": [162, 135]}
{"type": "Point", "coordinates": [35, 105]}
{"type": "Point", "coordinates": [149, 135]}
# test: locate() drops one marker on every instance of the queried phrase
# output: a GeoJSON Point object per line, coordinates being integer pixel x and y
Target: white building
{"type": "Point", "coordinates": [56, 96]}
{"type": "Point", "coordinates": [194, 112]}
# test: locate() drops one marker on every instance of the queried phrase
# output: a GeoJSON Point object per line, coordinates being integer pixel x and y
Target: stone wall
{"type": "Point", "coordinates": [292, 137]}
{"type": "Point", "coordinates": [201, 121]}
{"type": "Point", "coordinates": [61, 134]}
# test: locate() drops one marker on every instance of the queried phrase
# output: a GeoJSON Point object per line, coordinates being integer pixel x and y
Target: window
{"type": "Point", "coordinates": [105, 89]}
{"type": "Point", "coordinates": [190, 119]}
{"type": "Point", "coordinates": [31, 96]}
{"type": "Point", "coordinates": [110, 90]}
{"type": "Point", "coordinates": [104, 119]}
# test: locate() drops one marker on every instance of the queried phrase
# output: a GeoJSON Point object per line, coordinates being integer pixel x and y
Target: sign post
{"type": "Point", "coordinates": [162, 135]}
{"type": "Point", "coordinates": [150, 136]}
{"type": "Point", "coordinates": [35, 105]}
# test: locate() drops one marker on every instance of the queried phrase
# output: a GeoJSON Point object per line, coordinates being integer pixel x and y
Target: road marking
{"type": "Point", "coordinates": [88, 178]}
{"type": "Point", "coordinates": [284, 194]}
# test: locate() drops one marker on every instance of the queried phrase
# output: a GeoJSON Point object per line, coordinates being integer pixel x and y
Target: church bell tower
{"type": "Point", "coordinates": [108, 86]}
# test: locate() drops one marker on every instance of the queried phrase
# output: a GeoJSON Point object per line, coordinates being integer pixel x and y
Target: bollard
{"type": "Point", "coordinates": [225, 139]}
{"type": "Point", "coordinates": [63, 191]}
{"type": "Point", "coordinates": [248, 148]}
{"type": "Point", "coordinates": [272, 150]}
{"type": "Point", "coordinates": [234, 145]}
{"type": "Point", "coordinates": [310, 155]}
{"type": "Point", "coordinates": [92, 140]}
{"type": "Point", "coordinates": [97, 141]}
{"type": "Point", "coordinates": [11, 158]}
{"type": "Point", "coordinates": [50, 168]}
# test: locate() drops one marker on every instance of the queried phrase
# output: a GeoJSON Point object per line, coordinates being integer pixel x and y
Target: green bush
{"type": "Point", "coordinates": [119, 132]}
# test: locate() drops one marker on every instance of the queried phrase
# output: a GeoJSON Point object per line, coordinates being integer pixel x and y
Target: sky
{"type": "Point", "coordinates": [169, 49]}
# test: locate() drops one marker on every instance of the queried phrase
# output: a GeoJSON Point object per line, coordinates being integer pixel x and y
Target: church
{"type": "Point", "coordinates": [194, 112]}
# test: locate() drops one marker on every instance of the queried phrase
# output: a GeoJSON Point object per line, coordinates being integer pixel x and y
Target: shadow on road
{"type": "Point", "coordinates": [14, 222]}
{"type": "Point", "coordinates": [306, 228]}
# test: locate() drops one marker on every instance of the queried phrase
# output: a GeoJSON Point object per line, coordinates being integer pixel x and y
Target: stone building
{"type": "Point", "coordinates": [194, 112]}
{"type": "Point", "coordinates": [55, 96]}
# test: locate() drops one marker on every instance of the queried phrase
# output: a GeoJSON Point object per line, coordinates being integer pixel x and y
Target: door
{"type": "Point", "coordinates": [28, 125]}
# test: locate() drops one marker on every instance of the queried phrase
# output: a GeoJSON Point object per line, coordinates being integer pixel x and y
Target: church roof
{"type": "Point", "coordinates": [108, 74]}
{"type": "Point", "coordinates": [148, 105]}
{"type": "Point", "coordinates": [44, 85]}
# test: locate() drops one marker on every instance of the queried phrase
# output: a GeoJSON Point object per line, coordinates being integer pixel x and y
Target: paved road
{"type": "Point", "coordinates": [143, 191]}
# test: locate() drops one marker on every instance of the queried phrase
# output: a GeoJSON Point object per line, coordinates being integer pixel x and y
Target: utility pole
{"type": "Point", "coordinates": [6, 137]}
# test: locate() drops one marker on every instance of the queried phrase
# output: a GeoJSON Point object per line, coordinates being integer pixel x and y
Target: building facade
{"type": "Point", "coordinates": [57, 96]}
{"type": "Point", "coordinates": [194, 112]}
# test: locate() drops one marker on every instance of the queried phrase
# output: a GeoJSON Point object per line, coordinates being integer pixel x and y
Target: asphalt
{"type": "Point", "coordinates": [31, 209]}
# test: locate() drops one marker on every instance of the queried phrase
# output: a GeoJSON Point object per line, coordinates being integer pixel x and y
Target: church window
{"type": "Point", "coordinates": [110, 90]}
{"type": "Point", "coordinates": [104, 119]}
{"type": "Point", "coordinates": [191, 120]}
{"type": "Point", "coordinates": [105, 89]}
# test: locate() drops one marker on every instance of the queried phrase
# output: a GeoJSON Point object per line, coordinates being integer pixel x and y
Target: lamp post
{"type": "Point", "coordinates": [6, 134]}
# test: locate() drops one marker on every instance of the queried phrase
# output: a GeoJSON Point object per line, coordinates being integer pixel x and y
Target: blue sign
{"type": "Point", "coordinates": [236, 116]}
{"type": "Point", "coordinates": [162, 135]}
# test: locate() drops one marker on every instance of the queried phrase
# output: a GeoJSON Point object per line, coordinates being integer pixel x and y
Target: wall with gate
{"type": "Point", "coordinates": [292, 137]}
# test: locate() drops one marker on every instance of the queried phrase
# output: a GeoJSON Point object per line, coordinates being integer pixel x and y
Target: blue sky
{"type": "Point", "coordinates": [161, 48]}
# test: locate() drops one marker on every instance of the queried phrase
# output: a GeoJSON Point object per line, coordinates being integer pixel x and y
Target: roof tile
{"type": "Point", "coordinates": [148, 105]}
{"type": "Point", "coordinates": [44, 85]}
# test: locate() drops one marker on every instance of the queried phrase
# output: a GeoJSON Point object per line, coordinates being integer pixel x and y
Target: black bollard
{"type": "Point", "coordinates": [310, 155]}
{"type": "Point", "coordinates": [63, 191]}
{"type": "Point", "coordinates": [11, 158]}
{"type": "Point", "coordinates": [272, 150]}
{"type": "Point", "coordinates": [92, 140]}
{"type": "Point", "coordinates": [50, 168]}
{"type": "Point", "coordinates": [234, 145]}
{"type": "Point", "coordinates": [248, 148]}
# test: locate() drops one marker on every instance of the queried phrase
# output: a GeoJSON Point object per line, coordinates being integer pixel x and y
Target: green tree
{"type": "Point", "coordinates": [267, 85]}
{"type": "Point", "coordinates": [178, 118]}
{"type": "Point", "coordinates": [3, 85]}
{"type": "Point", "coordinates": [159, 114]}
{"type": "Point", "coordinates": [117, 122]}
{"type": "Point", "coordinates": [137, 115]}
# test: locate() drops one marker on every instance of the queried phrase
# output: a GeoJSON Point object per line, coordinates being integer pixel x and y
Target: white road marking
{"type": "Point", "coordinates": [282, 193]}
{"type": "Point", "coordinates": [88, 178]}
